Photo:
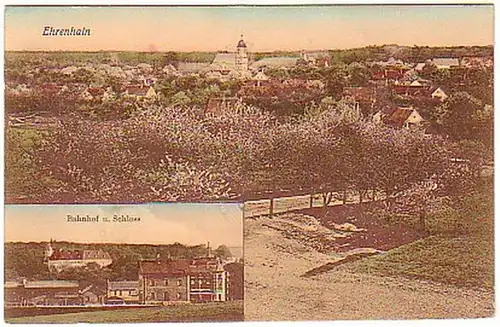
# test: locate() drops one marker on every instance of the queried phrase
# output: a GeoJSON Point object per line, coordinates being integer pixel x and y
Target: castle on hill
{"type": "Point", "coordinates": [58, 260]}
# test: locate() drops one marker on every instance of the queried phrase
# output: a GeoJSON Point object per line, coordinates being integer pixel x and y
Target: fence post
{"type": "Point", "coordinates": [311, 201]}
{"type": "Point", "coordinates": [271, 205]}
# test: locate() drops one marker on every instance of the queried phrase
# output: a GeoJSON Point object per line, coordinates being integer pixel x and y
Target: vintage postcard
{"type": "Point", "coordinates": [357, 139]}
{"type": "Point", "coordinates": [140, 263]}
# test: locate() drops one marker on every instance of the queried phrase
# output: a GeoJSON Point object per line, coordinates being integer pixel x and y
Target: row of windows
{"type": "Point", "coordinates": [152, 282]}
{"type": "Point", "coordinates": [166, 296]}
{"type": "Point", "coordinates": [120, 292]}
{"type": "Point", "coordinates": [165, 282]}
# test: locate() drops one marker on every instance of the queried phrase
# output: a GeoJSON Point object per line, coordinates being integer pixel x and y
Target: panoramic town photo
{"type": "Point", "coordinates": [123, 264]}
{"type": "Point", "coordinates": [359, 140]}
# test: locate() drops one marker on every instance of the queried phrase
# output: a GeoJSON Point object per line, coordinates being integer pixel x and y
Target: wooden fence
{"type": "Point", "coordinates": [272, 205]}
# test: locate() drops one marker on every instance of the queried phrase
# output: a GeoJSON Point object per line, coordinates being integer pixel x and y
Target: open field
{"type": "Point", "coordinates": [227, 311]}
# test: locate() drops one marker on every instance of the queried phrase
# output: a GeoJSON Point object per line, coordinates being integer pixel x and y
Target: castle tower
{"type": "Point", "coordinates": [48, 251]}
{"type": "Point", "coordinates": [241, 56]}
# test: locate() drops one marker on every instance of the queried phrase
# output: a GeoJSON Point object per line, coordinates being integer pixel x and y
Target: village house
{"type": "Point", "coordinates": [418, 90]}
{"type": "Point", "coordinates": [360, 96]}
{"type": "Point", "coordinates": [476, 62]}
{"type": "Point", "coordinates": [260, 79]}
{"type": "Point", "coordinates": [182, 280]}
{"type": "Point", "coordinates": [445, 63]}
{"type": "Point", "coordinates": [126, 290]}
{"type": "Point", "coordinates": [93, 295]}
{"type": "Point", "coordinates": [139, 92]}
{"type": "Point", "coordinates": [401, 118]}
{"type": "Point", "coordinates": [69, 70]}
{"type": "Point", "coordinates": [319, 60]}
{"type": "Point", "coordinates": [42, 292]}
{"type": "Point", "coordinates": [438, 93]}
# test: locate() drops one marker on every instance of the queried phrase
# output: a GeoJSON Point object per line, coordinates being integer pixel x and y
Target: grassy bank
{"type": "Point", "coordinates": [462, 256]}
{"type": "Point", "coordinates": [226, 311]}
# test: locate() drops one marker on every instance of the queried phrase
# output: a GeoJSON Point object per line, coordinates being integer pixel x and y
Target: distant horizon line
{"type": "Point", "coordinates": [262, 51]}
{"type": "Point", "coordinates": [115, 243]}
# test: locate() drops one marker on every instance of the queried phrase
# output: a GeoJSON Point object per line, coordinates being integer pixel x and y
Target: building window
{"type": "Point", "coordinates": [179, 282]}
{"type": "Point", "coordinates": [151, 282]}
{"type": "Point", "coordinates": [152, 296]}
{"type": "Point", "coordinates": [166, 282]}
{"type": "Point", "coordinates": [165, 296]}
{"type": "Point", "coordinates": [178, 296]}
{"type": "Point", "coordinates": [119, 293]}
{"type": "Point", "coordinates": [192, 281]}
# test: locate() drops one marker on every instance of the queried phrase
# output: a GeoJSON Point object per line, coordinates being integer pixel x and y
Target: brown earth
{"type": "Point", "coordinates": [378, 234]}
{"type": "Point", "coordinates": [279, 250]}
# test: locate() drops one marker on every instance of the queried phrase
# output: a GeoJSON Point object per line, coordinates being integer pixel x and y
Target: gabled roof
{"type": "Point", "coordinates": [62, 254]}
{"type": "Point", "coordinates": [50, 284]}
{"type": "Point", "coordinates": [420, 66]}
{"type": "Point", "coordinates": [260, 76]}
{"type": "Point", "coordinates": [360, 93]}
{"type": "Point", "coordinates": [224, 60]}
{"type": "Point", "coordinates": [191, 67]}
{"type": "Point", "coordinates": [123, 285]}
{"type": "Point", "coordinates": [137, 90]}
{"type": "Point", "coordinates": [276, 62]}
{"type": "Point", "coordinates": [177, 268]}
{"type": "Point", "coordinates": [445, 62]}
{"type": "Point", "coordinates": [399, 116]}
{"type": "Point", "coordinates": [95, 91]}
{"type": "Point", "coordinates": [95, 254]}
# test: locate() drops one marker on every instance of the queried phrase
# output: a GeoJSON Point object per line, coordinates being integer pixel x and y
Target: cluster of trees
{"type": "Point", "coordinates": [407, 54]}
{"type": "Point", "coordinates": [26, 259]}
{"type": "Point", "coordinates": [176, 154]}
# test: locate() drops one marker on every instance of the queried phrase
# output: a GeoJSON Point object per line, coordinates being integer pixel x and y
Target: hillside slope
{"type": "Point", "coordinates": [275, 290]}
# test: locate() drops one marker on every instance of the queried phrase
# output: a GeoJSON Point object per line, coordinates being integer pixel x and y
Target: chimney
{"type": "Point", "coordinates": [209, 250]}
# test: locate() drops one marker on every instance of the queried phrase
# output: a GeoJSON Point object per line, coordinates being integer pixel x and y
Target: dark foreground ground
{"type": "Point", "coordinates": [209, 312]}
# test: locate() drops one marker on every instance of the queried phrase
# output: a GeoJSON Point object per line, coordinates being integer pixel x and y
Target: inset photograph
{"type": "Point", "coordinates": [121, 264]}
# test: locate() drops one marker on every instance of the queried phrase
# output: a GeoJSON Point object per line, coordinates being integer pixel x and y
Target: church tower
{"type": "Point", "coordinates": [241, 56]}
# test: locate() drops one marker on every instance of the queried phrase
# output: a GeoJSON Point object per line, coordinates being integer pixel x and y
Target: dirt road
{"type": "Point", "coordinates": [274, 289]}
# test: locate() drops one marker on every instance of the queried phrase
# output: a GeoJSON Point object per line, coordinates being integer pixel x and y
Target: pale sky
{"type": "Point", "coordinates": [167, 223]}
{"type": "Point", "coordinates": [264, 28]}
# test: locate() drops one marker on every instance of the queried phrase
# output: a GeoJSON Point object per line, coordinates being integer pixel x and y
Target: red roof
{"type": "Point", "coordinates": [95, 91]}
{"type": "Point", "coordinates": [179, 267]}
{"type": "Point", "coordinates": [62, 254]}
{"type": "Point", "coordinates": [399, 116]}
{"type": "Point", "coordinates": [67, 255]}
{"type": "Point", "coordinates": [137, 90]}
{"type": "Point", "coordinates": [360, 93]}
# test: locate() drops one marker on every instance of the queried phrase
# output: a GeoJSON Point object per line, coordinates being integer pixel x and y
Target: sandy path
{"type": "Point", "coordinates": [274, 289]}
